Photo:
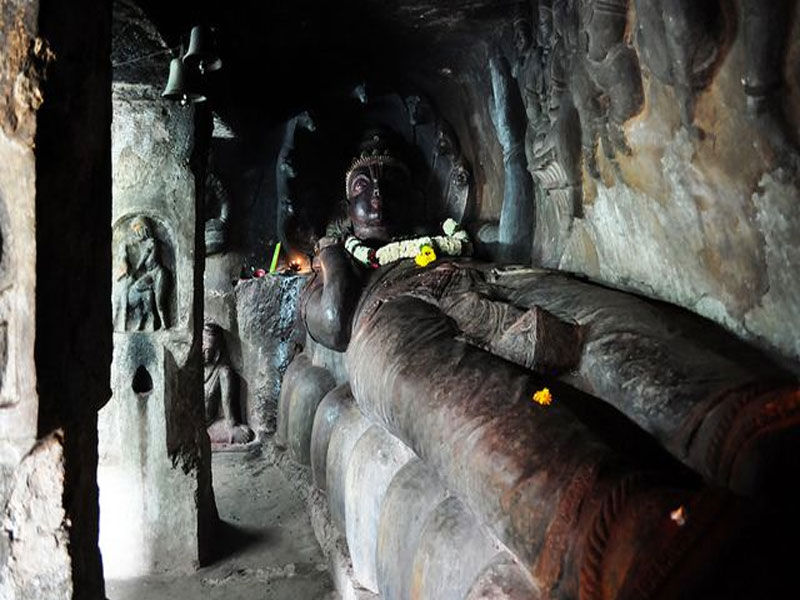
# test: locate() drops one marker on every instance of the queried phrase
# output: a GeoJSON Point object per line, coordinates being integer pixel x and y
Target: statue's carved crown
{"type": "Point", "coordinates": [368, 158]}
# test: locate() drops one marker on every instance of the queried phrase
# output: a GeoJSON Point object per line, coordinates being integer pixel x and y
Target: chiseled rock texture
{"type": "Point", "coordinates": [55, 334]}
{"type": "Point", "coordinates": [36, 563]}
{"type": "Point", "coordinates": [663, 142]}
{"type": "Point", "coordinates": [266, 314]}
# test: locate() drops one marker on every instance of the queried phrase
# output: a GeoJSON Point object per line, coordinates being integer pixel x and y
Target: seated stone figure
{"type": "Point", "coordinates": [142, 285]}
{"type": "Point", "coordinates": [220, 385]}
{"type": "Point", "coordinates": [451, 355]}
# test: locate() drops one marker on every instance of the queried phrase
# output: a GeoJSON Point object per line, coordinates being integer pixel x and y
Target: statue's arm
{"type": "Point", "coordinates": [226, 389]}
{"type": "Point", "coordinates": [329, 306]}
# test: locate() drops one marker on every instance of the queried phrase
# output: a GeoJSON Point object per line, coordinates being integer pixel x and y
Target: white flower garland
{"type": "Point", "coordinates": [454, 242]}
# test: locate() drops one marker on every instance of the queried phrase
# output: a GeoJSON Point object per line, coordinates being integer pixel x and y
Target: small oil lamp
{"type": "Point", "coordinates": [295, 263]}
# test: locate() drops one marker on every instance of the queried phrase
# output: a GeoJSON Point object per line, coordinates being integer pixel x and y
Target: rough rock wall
{"type": "Point", "coordinates": [55, 329]}
{"type": "Point", "coordinates": [663, 140]}
{"type": "Point", "coordinates": [266, 310]}
{"type": "Point", "coordinates": [17, 219]}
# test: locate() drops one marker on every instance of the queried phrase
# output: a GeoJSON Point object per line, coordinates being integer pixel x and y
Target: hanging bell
{"type": "Point", "coordinates": [180, 85]}
{"type": "Point", "coordinates": [202, 52]}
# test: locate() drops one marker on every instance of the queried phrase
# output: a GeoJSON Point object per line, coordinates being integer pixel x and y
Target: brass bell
{"type": "Point", "coordinates": [202, 53]}
{"type": "Point", "coordinates": [180, 85]}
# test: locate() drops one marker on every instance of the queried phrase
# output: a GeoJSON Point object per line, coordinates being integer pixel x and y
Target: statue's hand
{"type": "Point", "coordinates": [329, 309]}
{"type": "Point", "coordinates": [333, 258]}
{"type": "Point", "coordinates": [143, 283]}
{"type": "Point", "coordinates": [287, 168]}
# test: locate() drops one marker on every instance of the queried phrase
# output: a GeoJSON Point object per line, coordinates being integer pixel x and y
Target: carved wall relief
{"type": "Point", "coordinates": [4, 400]}
{"type": "Point", "coordinates": [450, 177]}
{"type": "Point", "coordinates": [144, 267]}
{"type": "Point", "coordinates": [218, 210]}
{"type": "Point", "coordinates": [682, 42]}
{"type": "Point", "coordinates": [293, 222]}
{"type": "Point", "coordinates": [222, 411]}
{"type": "Point", "coordinates": [765, 32]}
{"type": "Point", "coordinates": [5, 245]}
{"type": "Point", "coordinates": [606, 81]}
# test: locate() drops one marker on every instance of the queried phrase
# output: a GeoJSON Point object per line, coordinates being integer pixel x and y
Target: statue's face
{"type": "Point", "coordinates": [522, 36]}
{"type": "Point", "coordinates": [377, 195]}
{"type": "Point", "coordinates": [210, 346]}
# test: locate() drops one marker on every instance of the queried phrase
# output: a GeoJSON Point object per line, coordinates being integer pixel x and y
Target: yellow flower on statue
{"type": "Point", "coordinates": [543, 397]}
{"type": "Point", "coordinates": [426, 255]}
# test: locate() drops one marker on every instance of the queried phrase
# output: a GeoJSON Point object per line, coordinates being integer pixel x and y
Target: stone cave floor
{"type": "Point", "coordinates": [267, 545]}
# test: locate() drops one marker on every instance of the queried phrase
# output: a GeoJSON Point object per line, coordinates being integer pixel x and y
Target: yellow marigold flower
{"type": "Point", "coordinates": [543, 397]}
{"type": "Point", "coordinates": [426, 255]}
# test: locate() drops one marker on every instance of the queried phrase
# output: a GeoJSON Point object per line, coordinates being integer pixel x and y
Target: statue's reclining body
{"type": "Point", "coordinates": [448, 359]}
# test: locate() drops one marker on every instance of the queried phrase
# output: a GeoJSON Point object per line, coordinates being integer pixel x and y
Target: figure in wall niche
{"type": "Point", "coordinates": [218, 211]}
{"type": "Point", "coordinates": [290, 192]}
{"type": "Point", "coordinates": [142, 283]}
{"type": "Point", "coordinates": [224, 426]}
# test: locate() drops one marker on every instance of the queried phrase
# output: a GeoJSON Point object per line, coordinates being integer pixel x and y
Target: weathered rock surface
{"type": "Point", "coordinates": [350, 426]}
{"type": "Point", "coordinates": [412, 496]}
{"type": "Point", "coordinates": [55, 339]}
{"type": "Point", "coordinates": [153, 510]}
{"type": "Point", "coordinates": [266, 311]}
{"type": "Point", "coordinates": [311, 388]}
{"type": "Point", "coordinates": [37, 564]}
{"type": "Point", "coordinates": [328, 412]}
{"type": "Point", "coordinates": [376, 459]}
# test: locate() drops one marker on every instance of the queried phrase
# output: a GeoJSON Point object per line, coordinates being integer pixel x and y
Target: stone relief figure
{"type": "Point", "coordinates": [142, 284]}
{"type": "Point", "coordinates": [764, 27]}
{"type": "Point", "coordinates": [288, 221]}
{"type": "Point", "coordinates": [220, 391]}
{"type": "Point", "coordinates": [683, 42]}
{"type": "Point", "coordinates": [450, 177]}
{"type": "Point", "coordinates": [606, 81]}
{"type": "Point", "coordinates": [218, 210]}
{"type": "Point", "coordinates": [508, 117]}
{"type": "Point", "coordinates": [553, 136]}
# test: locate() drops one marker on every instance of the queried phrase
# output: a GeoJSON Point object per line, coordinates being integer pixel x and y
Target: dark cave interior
{"type": "Point", "coordinates": [507, 289]}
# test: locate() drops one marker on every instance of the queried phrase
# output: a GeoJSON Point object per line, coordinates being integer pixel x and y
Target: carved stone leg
{"type": "Point", "coordinates": [714, 403]}
{"type": "Point", "coordinates": [470, 416]}
{"type": "Point", "coordinates": [535, 339]}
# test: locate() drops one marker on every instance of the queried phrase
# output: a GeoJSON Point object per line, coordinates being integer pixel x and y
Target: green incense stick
{"type": "Point", "coordinates": [275, 254]}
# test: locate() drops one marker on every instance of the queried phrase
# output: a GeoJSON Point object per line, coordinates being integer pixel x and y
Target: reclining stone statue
{"type": "Point", "coordinates": [451, 356]}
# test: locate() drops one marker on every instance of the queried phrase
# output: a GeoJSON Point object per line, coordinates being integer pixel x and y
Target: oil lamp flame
{"type": "Point", "coordinates": [296, 263]}
{"type": "Point", "coordinates": [679, 516]}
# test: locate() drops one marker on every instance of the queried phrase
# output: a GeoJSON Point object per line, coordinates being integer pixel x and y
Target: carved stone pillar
{"type": "Point", "coordinates": [154, 463]}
